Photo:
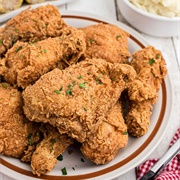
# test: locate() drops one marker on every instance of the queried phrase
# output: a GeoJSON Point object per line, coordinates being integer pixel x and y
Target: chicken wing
{"type": "Point", "coordinates": [16, 132]}
{"type": "Point", "coordinates": [44, 158]}
{"type": "Point", "coordinates": [111, 135]}
{"type": "Point", "coordinates": [25, 62]}
{"type": "Point", "coordinates": [76, 99]}
{"type": "Point", "coordinates": [32, 25]}
{"type": "Point", "coordinates": [108, 42]}
{"type": "Point", "coordinates": [151, 70]}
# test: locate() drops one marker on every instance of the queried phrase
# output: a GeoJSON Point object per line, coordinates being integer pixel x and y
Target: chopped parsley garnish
{"type": "Point", "coordinates": [43, 26]}
{"type": "Point", "coordinates": [35, 20]}
{"type": "Point", "coordinates": [98, 81]}
{"type": "Point", "coordinates": [29, 139]}
{"type": "Point", "coordinates": [53, 141]}
{"type": "Point", "coordinates": [4, 85]}
{"type": "Point", "coordinates": [60, 158]}
{"type": "Point", "coordinates": [69, 92]}
{"type": "Point", "coordinates": [61, 88]}
{"type": "Point", "coordinates": [91, 40]}
{"type": "Point", "coordinates": [73, 168]}
{"type": "Point", "coordinates": [45, 51]}
{"type": "Point", "coordinates": [151, 61]}
{"type": "Point", "coordinates": [16, 30]}
{"type": "Point", "coordinates": [125, 133]}
{"type": "Point", "coordinates": [103, 72]}
{"type": "Point", "coordinates": [57, 91]}
{"type": "Point", "coordinates": [70, 86]}
{"type": "Point", "coordinates": [0, 41]}
{"type": "Point", "coordinates": [82, 160]}
{"type": "Point", "coordinates": [64, 171]}
{"type": "Point", "coordinates": [82, 85]}
{"type": "Point", "coordinates": [118, 36]}
{"type": "Point", "coordinates": [158, 56]}
{"type": "Point", "coordinates": [18, 48]}
{"type": "Point", "coordinates": [79, 77]}
{"type": "Point", "coordinates": [84, 108]}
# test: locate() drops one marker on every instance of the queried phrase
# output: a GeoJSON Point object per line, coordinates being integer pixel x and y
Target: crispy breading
{"type": "Point", "coordinates": [151, 71]}
{"type": "Point", "coordinates": [32, 25]}
{"type": "Point", "coordinates": [25, 62]}
{"type": "Point", "coordinates": [44, 158]}
{"type": "Point", "coordinates": [15, 129]}
{"type": "Point", "coordinates": [77, 99]}
{"type": "Point", "coordinates": [108, 42]}
{"type": "Point", "coordinates": [103, 145]}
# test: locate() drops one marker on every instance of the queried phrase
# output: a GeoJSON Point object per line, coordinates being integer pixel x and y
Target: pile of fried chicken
{"type": "Point", "coordinates": [60, 84]}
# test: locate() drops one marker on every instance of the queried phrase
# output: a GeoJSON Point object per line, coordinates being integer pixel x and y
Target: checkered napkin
{"type": "Point", "coordinates": [170, 172]}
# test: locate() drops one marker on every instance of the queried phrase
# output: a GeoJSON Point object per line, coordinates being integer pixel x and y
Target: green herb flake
{"type": "Point", "coordinates": [43, 26]}
{"type": "Point", "coordinates": [79, 77]}
{"type": "Point", "coordinates": [45, 51]}
{"type": "Point", "coordinates": [29, 139]}
{"type": "Point", "coordinates": [69, 92]}
{"type": "Point", "coordinates": [91, 40]}
{"type": "Point", "coordinates": [103, 72]}
{"type": "Point", "coordinates": [53, 141]}
{"type": "Point", "coordinates": [73, 168]}
{"type": "Point", "coordinates": [98, 81]}
{"type": "Point", "coordinates": [118, 36]}
{"type": "Point", "coordinates": [82, 160]}
{"type": "Point", "coordinates": [64, 171]}
{"type": "Point", "coordinates": [35, 20]}
{"type": "Point", "coordinates": [82, 85]}
{"type": "Point", "coordinates": [57, 91]}
{"type": "Point", "coordinates": [61, 88]}
{"type": "Point", "coordinates": [151, 61]}
{"type": "Point", "coordinates": [18, 48]}
{"type": "Point", "coordinates": [4, 85]}
{"type": "Point", "coordinates": [84, 108]}
{"type": "Point", "coordinates": [60, 158]}
{"type": "Point", "coordinates": [158, 56]}
{"type": "Point", "coordinates": [16, 30]}
{"type": "Point", "coordinates": [125, 133]}
{"type": "Point", "coordinates": [70, 86]}
{"type": "Point", "coordinates": [1, 41]}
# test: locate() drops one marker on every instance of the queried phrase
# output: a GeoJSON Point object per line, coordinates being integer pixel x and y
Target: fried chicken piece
{"type": "Point", "coordinates": [77, 99]}
{"type": "Point", "coordinates": [111, 135]}
{"type": "Point", "coordinates": [32, 25]}
{"type": "Point", "coordinates": [44, 158]}
{"type": "Point", "coordinates": [108, 42]}
{"type": "Point", "coordinates": [15, 129]}
{"type": "Point", "coordinates": [151, 71]}
{"type": "Point", "coordinates": [25, 62]}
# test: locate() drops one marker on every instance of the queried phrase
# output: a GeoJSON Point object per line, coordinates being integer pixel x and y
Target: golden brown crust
{"type": "Point", "coordinates": [143, 92]}
{"type": "Point", "coordinates": [76, 99]}
{"type": "Point", "coordinates": [32, 25]}
{"type": "Point", "coordinates": [108, 42]}
{"type": "Point", "coordinates": [14, 127]}
{"type": "Point", "coordinates": [103, 145]}
{"type": "Point", "coordinates": [44, 158]}
{"type": "Point", "coordinates": [25, 62]}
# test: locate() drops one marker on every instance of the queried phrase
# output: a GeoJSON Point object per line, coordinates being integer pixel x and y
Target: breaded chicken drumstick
{"type": "Point", "coordinates": [25, 62]}
{"type": "Point", "coordinates": [151, 71]}
{"type": "Point", "coordinates": [44, 158]}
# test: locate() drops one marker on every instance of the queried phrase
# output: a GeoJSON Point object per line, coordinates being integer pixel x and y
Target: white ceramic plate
{"type": "Point", "coordinates": [137, 150]}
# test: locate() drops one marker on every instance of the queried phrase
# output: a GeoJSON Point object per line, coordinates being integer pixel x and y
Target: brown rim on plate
{"type": "Point", "coordinates": [117, 165]}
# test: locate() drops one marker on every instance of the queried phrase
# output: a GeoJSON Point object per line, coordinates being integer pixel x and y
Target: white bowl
{"type": "Point", "coordinates": [148, 23]}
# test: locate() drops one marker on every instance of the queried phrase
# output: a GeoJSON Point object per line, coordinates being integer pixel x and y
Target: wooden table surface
{"type": "Point", "coordinates": [170, 48]}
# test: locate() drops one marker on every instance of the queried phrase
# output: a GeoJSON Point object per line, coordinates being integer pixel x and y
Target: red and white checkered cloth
{"type": "Point", "coordinates": [170, 172]}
